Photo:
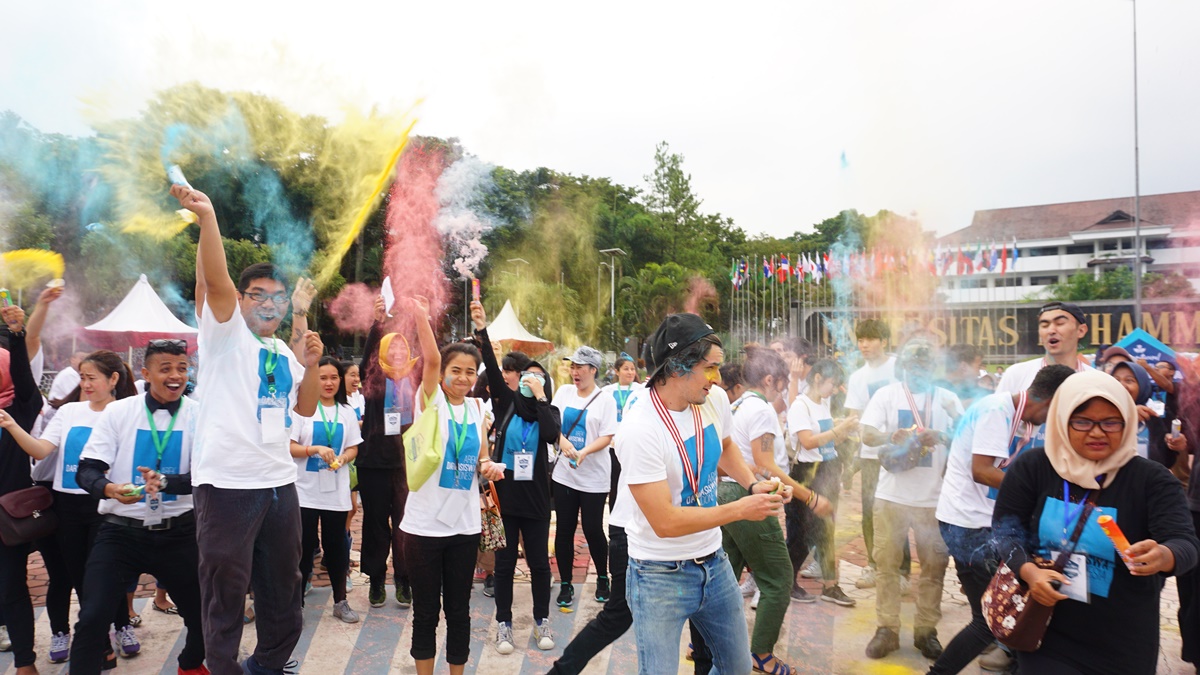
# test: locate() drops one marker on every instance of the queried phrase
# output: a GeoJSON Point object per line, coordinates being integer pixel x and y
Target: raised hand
{"type": "Point", "coordinates": [303, 295]}
{"type": "Point", "coordinates": [14, 318]}
{"type": "Point", "coordinates": [195, 201]}
{"type": "Point", "coordinates": [478, 316]}
{"type": "Point", "coordinates": [313, 349]}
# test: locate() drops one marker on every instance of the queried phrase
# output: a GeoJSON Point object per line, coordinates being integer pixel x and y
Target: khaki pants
{"type": "Point", "coordinates": [892, 523]}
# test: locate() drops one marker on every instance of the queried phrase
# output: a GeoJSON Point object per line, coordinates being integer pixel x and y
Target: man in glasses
{"type": "Point", "coordinates": [247, 512]}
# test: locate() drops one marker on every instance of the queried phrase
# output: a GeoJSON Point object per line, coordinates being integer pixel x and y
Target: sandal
{"type": "Point", "coordinates": [135, 620]}
{"type": "Point", "coordinates": [760, 665]}
{"type": "Point", "coordinates": [173, 610]}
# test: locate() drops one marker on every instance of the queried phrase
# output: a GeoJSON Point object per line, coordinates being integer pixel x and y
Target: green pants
{"type": "Point", "coordinates": [761, 546]}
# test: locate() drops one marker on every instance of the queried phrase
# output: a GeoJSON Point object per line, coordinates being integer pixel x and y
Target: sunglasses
{"type": "Point", "coordinates": [169, 345]}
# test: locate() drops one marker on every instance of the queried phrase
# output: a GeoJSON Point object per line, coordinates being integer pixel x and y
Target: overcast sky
{"type": "Point", "coordinates": [941, 107]}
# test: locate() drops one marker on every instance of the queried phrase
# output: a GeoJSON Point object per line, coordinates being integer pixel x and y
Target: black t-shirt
{"type": "Point", "coordinates": [27, 401]}
{"type": "Point", "coordinates": [377, 450]}
{"type": "Point", "coordinates": [1117, 632]}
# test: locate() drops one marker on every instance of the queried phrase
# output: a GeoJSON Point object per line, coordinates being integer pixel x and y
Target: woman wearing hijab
{"type": "Point", "coordinates": [1106, 615]}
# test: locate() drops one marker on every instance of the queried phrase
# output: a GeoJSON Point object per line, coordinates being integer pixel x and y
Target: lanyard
{"type": "Point", "coordinates": [758, 395]}
{"type": "Point", "coordinates": [912, 405]}
{"type": "Point", "coordinates": [160, 442]}
{"type": "Point", "coordinates": [623, 396]}
{"type": "Point", "coordinates": [271, 361]}
{"type": "Point", "coordinates": [462, 430]}
{"type": "Point", "coordinates": [1017, 424]}
{"type": "Point", "coordinates": [529, 427]}
{"type": "Point", "coordinates": [330, 427]}
{"type": "Point", "coordinates": [691, 473]}
{"type": "Point", "coordinates": [1068, 514]}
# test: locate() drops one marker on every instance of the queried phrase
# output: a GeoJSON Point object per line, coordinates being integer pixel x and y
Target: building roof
{"type": "Point", "coordinates": [1179, 210]}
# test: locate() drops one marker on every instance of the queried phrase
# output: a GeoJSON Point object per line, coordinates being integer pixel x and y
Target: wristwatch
{"type": "Point", "coordinates": [543, 399]}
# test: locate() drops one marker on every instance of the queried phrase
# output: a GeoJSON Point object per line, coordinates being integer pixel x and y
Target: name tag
{"type": "Point", "coordinates": [1076, 572]}
{"type": "Point", "coordinates": [452, 508]}
{"type": "Point", "coordinates": [273, 422]}
{"type": "Point", "coordinates": [154, 510]}
{"type": "Point", "coordinates": [327, 480]}
{"type": "Point", "coordinates": [392, 422]}
{"type": "Point", "coordinates": [523, 466]}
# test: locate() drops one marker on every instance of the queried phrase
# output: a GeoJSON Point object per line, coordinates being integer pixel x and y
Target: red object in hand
{"type": "Point", "coordinates": [474, 289]}
{"type": "Point", "coordinates": [1115, 534]}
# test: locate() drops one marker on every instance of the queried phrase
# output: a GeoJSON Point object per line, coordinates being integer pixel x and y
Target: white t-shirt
{"type": "Point", "coordinates": [69, 431]}
{"type": "Point", "coordinates": [861, 387]}
{"type": "Point", "coordinates": [648, 454]}
{"type": "Point", "coordinates": [753, 417]}
{"type": "Point", "coordinates": [230, 452]}
{"type": "Point", "coordinates": [448, 502]}
{"type": "Point", "coordinates": [64, 382]}
{"type": "Point", "coordinates": [358, 403]}
{"type": "Point", "coordinates": [622, 396]}
{"type": "Point", "coordinates": [1019, 376]}
{"type": "Point", "coordinates": [334, 495]}
{"type": "Point", "coordinates": [122, 439]}
{"type": "Point", "coordinates": [807, 415]}
{"type": "Point", "coordinates": [888, 411]}
{"type": "Point", "coordinates": [984, 430]}
{"type": "Point", "coordinates": [598, 419]}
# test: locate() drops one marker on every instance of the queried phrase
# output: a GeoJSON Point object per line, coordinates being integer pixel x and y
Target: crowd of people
{"type": "Point", "coordinates": [720, 474]}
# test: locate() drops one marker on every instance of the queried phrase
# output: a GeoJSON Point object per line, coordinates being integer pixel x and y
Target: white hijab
{"type": "Point", "coordinates": [1076, 391]}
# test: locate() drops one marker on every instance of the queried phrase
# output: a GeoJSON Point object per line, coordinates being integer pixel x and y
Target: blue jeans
{"type": "Point", "coordinates": [663, 595]}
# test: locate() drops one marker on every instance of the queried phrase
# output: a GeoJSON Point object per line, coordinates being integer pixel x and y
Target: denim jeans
{"type": "Point", "coordinates": [975, 563]}
{"type": "Point", "coordinates": [663, 595]}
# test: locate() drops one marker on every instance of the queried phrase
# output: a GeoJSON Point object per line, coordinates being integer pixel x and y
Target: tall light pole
{"type": "Point", "coordinates": [612, 254]}
{"type": "Point", "coordinates": [1137, 191]}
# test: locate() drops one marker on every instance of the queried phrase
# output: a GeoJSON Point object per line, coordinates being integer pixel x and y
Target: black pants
{"type": "Point", "coordinates": [442, 570]}
{"type": "Point", "coordinates": [613, 620]}
{"type": "Point", "coordinates": [1189, 608]}
{"type": "Point", "coordinates": [975, 562]}
{"type": "Point", "coordinates": [15, 604]}
{"type": "Point", "coordinates": [249, 539]}
{"type": "Point", "coordinates": [122, 553]}
{"type": "Point", "coordinates": [1033, 663]}
{"type": "Point", "coordinates": [383, 493]}
{"type": "Point", "coordinates": [536, 536]}
{"type": "Point", "coordinates": [333, 540]}
{"type": "Point", "coordinates": [804, 528]}
{"type": "Point", "coordinates": [65, 556]}
{"type": "Point", "coordinates": [568, 505]}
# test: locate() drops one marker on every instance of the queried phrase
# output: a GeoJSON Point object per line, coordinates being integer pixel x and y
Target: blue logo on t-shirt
{"type": "Point", "coordinates": [708, 472]}
{"type": "Point", "coordinates": [622, 398]}
{"type": "Point", "coordinates": [1101, 554]}
{"type": "Point", "coordinates": [906, 421]}
{"type": "Point", "coordinates": [828, 451]}
{"type": "Point", "coordinates": [458, 471]}
{"type": "Point", "coordinates": [77, 437]}
{"type": "Point", "coordinates": [321, 437]}
{"type": "Point", "coordinates": [521, 436]}
{"type": "Point", "coordinates": [399, 399]}
{"type": "Point", "coordinates": [578, 428]}
{"type": "Point", "coordinates": [144, 454]}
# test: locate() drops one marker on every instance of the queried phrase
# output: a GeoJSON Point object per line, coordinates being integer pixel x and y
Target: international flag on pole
{"type": "Point", "coordinates": [784, 270]}
{"type": "Point", "coordinates": [768, 269]}
{"type": "Point", "coordinates": [1015, 253]}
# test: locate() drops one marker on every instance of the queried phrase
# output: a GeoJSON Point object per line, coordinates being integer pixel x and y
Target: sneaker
{"type": "Point", "coordinates": [837, 596]}
{"type": "Point", "coordinates": [544, 635]}
{"type": "Point", "coordinates": [566, 595]}
{"type": "Point", "coordinates": [377, 595]}
{"type": "Point", "coordinates": [252, 667]}
{"type": "Point", "coordinates": [812, 570]}
{"type": "Point", "coordinates": [307, 588]}
{"type": "Point", "coordinates": [342, 611]}
{"type": "Point", "coordinates": [885, 642]}
{"type": "Point", "coordinates": [60, 647]}
{"type": "Point", "coordinates": [5, 641]}
{"type": "Point", "coordinates": [866, 579]}
{"type": "Point", "coordinates": [128, 641]}
{"type": "Point", "coordinates": [801, 595]}
{"type": "Point", "coordinates": [248, 615]}
{"type": "Point", "coordinates": [603, 591]}
{"type": "Point", "coordinates": [349, 584]}
{"type": "Point", "coordinates": [748, 586]}
{"type": "Point", "coordinates": [926, 640]}
{"type": "Point", "coordinates": [996, 660]}
{"type": "Point", "coordinates": [201, 670]}
{"type": "Point", "coordinates": [404, 595]}
{"type": "Point", "coordinates": [905, 585]}
{"type": "Point", "coordinates": [757, 597]}
{"type": "Point", "coordinates": [504, 637]}
{"type": "Point", "coordinates": [489, 586]}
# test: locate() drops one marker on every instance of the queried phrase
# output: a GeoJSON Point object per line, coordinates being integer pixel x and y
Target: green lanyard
{"type": "Point", "coordinates": [330, 427]}
{"type": "Point", "coordinates": [160, 442]}
{"type": "Point", "coordinates": [623, 396]}
{"type": "Point", "coordinates": [755, 393]}
{"type": "Point", "coordinates": [272, 361]}
{"type": "Point", "coordinates": [462, 430]}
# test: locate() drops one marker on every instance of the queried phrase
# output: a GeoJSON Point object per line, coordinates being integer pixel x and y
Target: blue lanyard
{"type": "Point", "coordinates": [529, 427]}
{"type": "Point", "coordinates": [1068, 514]}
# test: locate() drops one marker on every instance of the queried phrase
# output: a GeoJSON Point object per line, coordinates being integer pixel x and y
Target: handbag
{"type": "Point", "coordinates": [423, 448]}
{"type": "Point", "coordinates": [27, 515]}
{"type": "Point", "coordinates": [492, 537]}
{"type": "Point", "coordinates": [1016, 619]}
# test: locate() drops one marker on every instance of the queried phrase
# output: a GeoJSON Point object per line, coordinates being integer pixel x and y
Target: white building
{"type": "Point", "coordinates": [1058, 240]}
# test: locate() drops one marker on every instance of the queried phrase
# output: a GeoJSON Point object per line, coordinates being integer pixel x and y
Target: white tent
{"type": "Point", "coordinates": [140, 317]}
{"type": "Point", "coordinates": [507, 330]}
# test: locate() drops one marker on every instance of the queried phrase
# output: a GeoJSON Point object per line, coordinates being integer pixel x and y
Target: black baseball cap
{"type": "Point", "coordinates": [1068, 307]}
{"type": "Point", "coordinates": [673, 335]}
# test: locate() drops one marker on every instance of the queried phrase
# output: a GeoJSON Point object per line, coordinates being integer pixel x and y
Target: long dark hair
{"type": "Point", "coordinates": [340, 395]}
{"type": "Point", "coordinates": [107, 363]}
{"type": "Point", "coordinates": [761, 362]}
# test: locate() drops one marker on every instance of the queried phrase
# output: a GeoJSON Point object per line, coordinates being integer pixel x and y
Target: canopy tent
{"type": "Point", "coordinates": [140, 317]}
{"type": "Point", "coordinates": [507, 330]}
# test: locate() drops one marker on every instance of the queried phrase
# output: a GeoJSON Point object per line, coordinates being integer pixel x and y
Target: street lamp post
{"type": "Point", "coordinates": [612, 254]}
{"type": "Point", "coordinates": [1137, 191]}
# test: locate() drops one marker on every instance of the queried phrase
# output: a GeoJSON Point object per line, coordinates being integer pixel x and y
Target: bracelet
{"type": "Point", "coordinates": [755, 483]}
{"type": "Point", "coordinates": [811, 502]}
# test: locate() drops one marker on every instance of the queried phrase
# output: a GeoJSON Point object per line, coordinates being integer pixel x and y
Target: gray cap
{"type": "Point", "coordinates": [587, 356]}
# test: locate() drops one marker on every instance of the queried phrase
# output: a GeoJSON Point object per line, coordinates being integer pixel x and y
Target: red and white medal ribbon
{"type": "Point", "coordinates": [1017, 424]}
{"type": "Point", "coordinates": [691, 473]}
{"type": "Point", "coordinates": [912, 405]}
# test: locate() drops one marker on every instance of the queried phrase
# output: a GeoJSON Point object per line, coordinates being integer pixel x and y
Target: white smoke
{"type": "Point", "coordinates": [460, 220]}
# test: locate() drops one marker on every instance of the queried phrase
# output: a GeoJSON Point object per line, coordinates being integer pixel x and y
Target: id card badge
{"type": "Point", "coordinates": [1076, 573]}
{"type": "Point", "coordinates": [392, 422]}
{"type": "Point", "coordinates": [154, 510]}
{"type": "Point", "coordinates": [273, 420]}
{"type": "Point", "coordinates": [327, 480]}
{"type": "Point", "coordinates": [522, 466]}
{"type": "Point", "coordinates": [452, 507]}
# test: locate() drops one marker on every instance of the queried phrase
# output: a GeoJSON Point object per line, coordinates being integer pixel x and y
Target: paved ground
{"type": "Point", "coordinates": [816, 638]}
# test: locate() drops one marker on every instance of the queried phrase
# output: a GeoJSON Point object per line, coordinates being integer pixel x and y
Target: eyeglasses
{"type": "Point", "coordinates": [1084, 425]}
{"type": "Point", "coordinates": [275, 298]}
{"type": "Point", "coordinates": [167, 345]}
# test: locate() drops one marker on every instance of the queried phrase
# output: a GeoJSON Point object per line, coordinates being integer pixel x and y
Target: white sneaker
{"type": "Point", "coordinates": [544, 635]}
{"type": "Point", "coordinates": [342, 611]}
{"type": "Point", "coordinates": [748, 586]}
{"type": "Point", "coordinates": [866, 579]}
{"type": "Point", "coordinates": [5, 641]}
{"type": "Point", "coordinates": [905, 585]}
{"type": "Point", "coordinates": [812, 570]}
{"type": "Point", "coordinates": [755, 599]}
{"type": "Point", "coordinates": [504, 637]}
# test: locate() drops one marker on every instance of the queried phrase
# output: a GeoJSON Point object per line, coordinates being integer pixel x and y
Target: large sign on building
{"type": "Point", "coordinates": [1009, 331]}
